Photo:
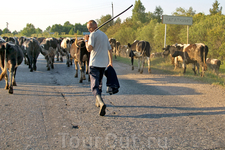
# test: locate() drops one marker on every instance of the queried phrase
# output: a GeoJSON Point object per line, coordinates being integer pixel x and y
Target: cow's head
{"type": "Point", "coordinates": [166, 50]}
{"type": "Point", "coordinates": [80, 44]}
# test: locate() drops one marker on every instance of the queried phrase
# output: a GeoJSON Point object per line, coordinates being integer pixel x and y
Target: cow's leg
{"type": "Point", "coordinates": [76, 68]}
{"type": "Point", "coordinates": [52, 62]}
{"type": "Point", "coordinates": [149, 64]}
{"type": "Point", "coordinates": [48, 63]}
{"type": "Point", "coordinates": [115, 52]}
{"type": "Point", "coordinates": [6, 82]}
{"type": "Point", "coordinates": [14, 76]}
{"type": "Point", "coordinates": [184, 67]}
{"type": "Point", "coordinates": [139, 60]}
{"type": "Point", "coordinates": [31, 64]}
{"type": "Point", "coordinates": [67, 57]}
{"type": "Point", "coordinates": [10, 79]}
{"type": "Point", "coordinates": [175, 63]}
{"type": "Point", "coordinates": [142, 64]}
{"type": "Point", "coordinates": [132, 62]}
{"type": "Point", "coordinates": [28, 62]}
{"type": "Point", "coordinates": [86, 65]}
{"type": "Point", "coordinates": [61, 55]}
{"type": "Point", "coordinates": [81, 72]}
{"type": "Point", "coordinates": [203, 71]}
{"type": "Point", "coordinates": [193, 68]}
{"type": "Point", "coordinates": [35, 64]}
{"type": "Point", "coordinates": [57, 53]}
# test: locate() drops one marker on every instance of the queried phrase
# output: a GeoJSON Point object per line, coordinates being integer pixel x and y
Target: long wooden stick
{"type": "Point", "coordinates": [113, 18]}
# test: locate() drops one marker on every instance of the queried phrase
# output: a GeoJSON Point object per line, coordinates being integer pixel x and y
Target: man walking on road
{"type": "Point", "coordinates": [101, 57]}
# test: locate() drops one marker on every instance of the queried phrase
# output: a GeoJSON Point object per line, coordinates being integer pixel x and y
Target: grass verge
{"type": "Point", "coordinates": [164, 65]}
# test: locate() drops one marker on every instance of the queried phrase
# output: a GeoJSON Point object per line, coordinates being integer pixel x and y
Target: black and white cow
{"type": "Point", "coordinates": [213, 64]}
{"type": "Point", "coordinates": [65, 45]}
{"type": "Point", "coordinates": [31, 49]}
{"type": "Point", "coordinates": [170, 49]}
{"type": "Point", "coordinates": [195, 54]}
{"type": "Point", "coordinates": [140, 50]}
{"type": "Point", "coordinates": [21, 40]}
{"type": "Point", "coordinates": [48, 49]}
{"type": "Point", "coordinates": [11, 56]}
{"type": "Point", "coordinates": [81, 57]}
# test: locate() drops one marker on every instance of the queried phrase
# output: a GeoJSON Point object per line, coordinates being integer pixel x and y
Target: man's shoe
{"type": "Point", "coordinates": [102, 105]}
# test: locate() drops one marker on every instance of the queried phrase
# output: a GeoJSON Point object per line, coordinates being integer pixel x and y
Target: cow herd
{"type": "Point", "coordinates": [195, 54]}
{"type": "Point", "coordinates": [14, 50]}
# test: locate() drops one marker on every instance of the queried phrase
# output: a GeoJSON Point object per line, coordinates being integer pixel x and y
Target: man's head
{"type": "Point", "coordinates": [91, 26]}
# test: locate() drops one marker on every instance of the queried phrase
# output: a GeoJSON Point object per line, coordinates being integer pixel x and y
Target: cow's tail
{"type": "Point", "coordinates": [205, 53]}
{"type": "Point", "coordinates": [5, 67]}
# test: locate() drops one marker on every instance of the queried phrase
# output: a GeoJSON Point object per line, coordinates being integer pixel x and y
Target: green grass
{"type": "Point", "coordinates": [164, 66]}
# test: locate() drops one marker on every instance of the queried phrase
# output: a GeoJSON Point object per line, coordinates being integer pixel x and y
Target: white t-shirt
{"type": "Point", "coordinates": [99, 54]}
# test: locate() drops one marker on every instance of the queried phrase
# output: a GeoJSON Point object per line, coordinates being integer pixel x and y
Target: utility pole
{"type": "Point", "coordinates": [7, 25]}
{"type": "Point", "coordinates": [112, 13]}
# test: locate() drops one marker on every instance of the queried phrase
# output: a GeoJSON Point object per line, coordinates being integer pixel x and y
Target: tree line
{"type": "Point", "coordinates": [207, 29]}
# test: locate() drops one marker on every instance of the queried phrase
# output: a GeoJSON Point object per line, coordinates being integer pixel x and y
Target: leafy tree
{"type": "Point", "coordinates": [1, 32]}
{"type": "Point", "coordinates": [81, 28]}
{"type": "Point", "coordinates": [125, 35]}
{"type": "Point", "coordinates": [6, 30]}
{"type": "Point", "coordinates": [147, 32]}
{"type": "Point", "coordinates": [190, 12]}
{"type": "Point", "coordinates": [71, 31]}
{"type": "Point", "coordinates": [67, 27]}
{"type": "Point", "coordinates": [102, 20]}
{"type": "Point", "coordinates": [118, 21]}
{"type": "Point", "coordinates": [38, 31]}
{"type": "Point", "coordinates": [138, 13]}
{"type": "Point", "coordinates": [159, 33]}
{"type": "Point", "coordinates": [57, 28]}
{"type": "Point", "coordinates": [158, 13]}
{"type": "Point", "coordinates": [79, 32]}
{"type": "Point", "coordinates": [48, 29]}
{"type": "Point", "coordinates": [215, 8]}
{"type": "Point", "coordinates": [182, 12]}
{"type": "Point", "coordinates": [113, 30]}
{"type": "Point", "coordinates": [28, 30]}
{"type": "Point", "coordinates": [14, 32]}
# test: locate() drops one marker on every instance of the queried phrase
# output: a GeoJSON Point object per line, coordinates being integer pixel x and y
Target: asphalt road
{"type": "Point", "coordinates": [51, 110]}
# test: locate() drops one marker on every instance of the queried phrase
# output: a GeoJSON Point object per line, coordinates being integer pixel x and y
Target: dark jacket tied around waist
{"type": "Point", "coordinates": [112, 82]}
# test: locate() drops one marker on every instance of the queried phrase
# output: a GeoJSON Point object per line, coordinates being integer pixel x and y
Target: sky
{"type": "Point", "coordinates": [44, 13]}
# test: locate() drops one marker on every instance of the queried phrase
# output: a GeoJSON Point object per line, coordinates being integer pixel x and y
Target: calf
{"type": "Point", "coordinates": [170, 49]}
{"type": "Point", "coordinates": [11, 56]}
{"type": "Point", "coordinates": [213, 64]}
{"type": "Point", "coordinates": [48, 49]}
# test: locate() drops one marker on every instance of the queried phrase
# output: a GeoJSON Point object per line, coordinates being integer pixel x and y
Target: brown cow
{"type": "Point", "coordinates": [81, 56]}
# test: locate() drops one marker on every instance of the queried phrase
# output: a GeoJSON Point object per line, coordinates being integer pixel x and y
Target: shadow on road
{"type": "Point", "coordinates": [207, 111]}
